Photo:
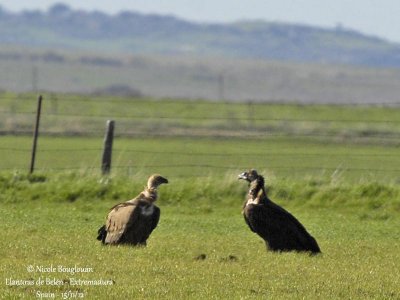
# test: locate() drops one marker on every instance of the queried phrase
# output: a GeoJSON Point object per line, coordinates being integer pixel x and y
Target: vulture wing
{"type": "Point", "coordinates": [153, 224]}
{"type": "Point", "coordinates": [248, 222]}
{"type": "Point", "coordinates": [119, 219]}
{"type": "Point", "coordinates": [280, 228]}
{"type": "Point", "coordinates": [256, 218]}
{"type": "Point", "coordinates": [156, 218]}
{"type": "Point", "coordinates": [298, 233]}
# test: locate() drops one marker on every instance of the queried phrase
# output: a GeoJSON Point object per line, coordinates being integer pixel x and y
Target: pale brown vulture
{"type": "Point", "coordinates": [133, 221]}
{"type": "Point", "coordinates": [280, 230]}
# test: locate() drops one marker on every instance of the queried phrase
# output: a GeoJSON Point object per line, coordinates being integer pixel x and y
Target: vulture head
{"type": "Point", "coordinates": [249, 176]}
{"type": "Point", "coordinates": [155, 180]}
{"type": "Point", "coordinates": [256, 184]}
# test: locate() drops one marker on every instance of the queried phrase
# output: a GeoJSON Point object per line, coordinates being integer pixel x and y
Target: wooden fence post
{"type": "Point", "coordinates": [221, 87]}
{"type": "Point", "coordinates": [36, 134]}
{"type": "Point", "coordinates": [250, 114]}
{"type": "Point", "coordinates": [107, 150]}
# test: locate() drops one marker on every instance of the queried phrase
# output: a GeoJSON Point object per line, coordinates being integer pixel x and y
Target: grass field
{"type": "Point", "coordinates": [52, 220]}
{"type": "Point", "coordinates": [201, 157]}
{"type": "Point", "coordinates": [335, 168]}
{"type": "Point", "coordinates": [204, 138]}
{"type": "Point", "coordinates": [66, 114]}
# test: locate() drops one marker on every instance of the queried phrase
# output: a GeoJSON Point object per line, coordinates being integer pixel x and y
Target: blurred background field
{"type": "Point", "coordinates": [196, 77]}
{"type": "Point", "coordinates": [201, 138]}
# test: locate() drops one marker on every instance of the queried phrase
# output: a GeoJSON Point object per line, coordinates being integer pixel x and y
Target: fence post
{"type": "Point", "coordinates": [36, 134]}
{"type": "Point", "coordinates": [221, 87]}
{"type": "Point", "coordinates": [107, 150]}
{"type": "Point", "coordinates": [250, 114]}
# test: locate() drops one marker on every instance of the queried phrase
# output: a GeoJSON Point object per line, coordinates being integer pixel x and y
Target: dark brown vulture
{"type": "Point", "coordinates": [280, 230]}
{"type": "Point", "coordinates": [133, 221]}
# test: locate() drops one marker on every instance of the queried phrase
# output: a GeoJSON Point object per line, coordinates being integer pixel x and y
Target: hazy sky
{"type": "Point", "coordinates": [375, 17]}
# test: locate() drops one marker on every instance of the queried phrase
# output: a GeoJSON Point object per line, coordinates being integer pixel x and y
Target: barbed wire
{"type": "Point", "coordinates": [249, 153]}
{"type": "Point", "coordinates": [218, 133]}
{"type": "Point", "coordinates": [96, 98]}
{"type": "Point", "coordinates": [208, 154]}
{"type": "Point", "coordinates": [201, 118]}
{"type": "Point", "coordinates": [242, 131]}
{"type": "Point", "coordinates": [209, 166]}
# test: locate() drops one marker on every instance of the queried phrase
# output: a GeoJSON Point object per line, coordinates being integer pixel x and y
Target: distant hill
{"type": "Point", "coordinates": [129, 32]}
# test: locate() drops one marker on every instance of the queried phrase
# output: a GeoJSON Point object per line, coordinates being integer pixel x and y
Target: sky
{"type": "Point", "coordinates": [374, 17]}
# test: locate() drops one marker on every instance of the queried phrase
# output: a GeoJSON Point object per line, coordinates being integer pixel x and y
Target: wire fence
{"type": "Point", "coordinates": [285, 138]}
{"type": "Point", "coordinates": [204, 154]}
{"type": "Point", "coordinates": [117, 99]}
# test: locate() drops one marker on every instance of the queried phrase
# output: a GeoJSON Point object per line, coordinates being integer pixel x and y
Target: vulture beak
{"type": "Point", "coordinates": [161, 180]}
{"type": "Point", "coordinates": [156, 180]}
{"type": "Point", "coordinates": [243, 176]}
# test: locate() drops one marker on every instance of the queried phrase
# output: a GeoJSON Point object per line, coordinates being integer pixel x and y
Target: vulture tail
{"type": "Point", "coordinates": [102, 233]}
{"type": "Point", "coordinates": [314, 247]}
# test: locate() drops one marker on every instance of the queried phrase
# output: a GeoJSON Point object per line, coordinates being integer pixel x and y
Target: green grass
{"type": "Point", "coordinates": [86, 116]}
{"type": "Point", "coordinates": [335, 168]}
{"type": "Point", "coordinates": [282, 157]}
{"type": "Point", "coordinates": [44, 225]}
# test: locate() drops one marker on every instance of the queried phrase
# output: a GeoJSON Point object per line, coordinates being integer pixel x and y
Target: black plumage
{"type": "Point", "coordinates": [133, 221]}
{"type": "Point", "coordinates": [280, 230]}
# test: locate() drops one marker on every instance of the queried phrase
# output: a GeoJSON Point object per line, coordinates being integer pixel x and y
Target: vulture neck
{"type": "Point", "coordinates": [150, 193]}
{"type": "Point", "coordinates": [257, 193]}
